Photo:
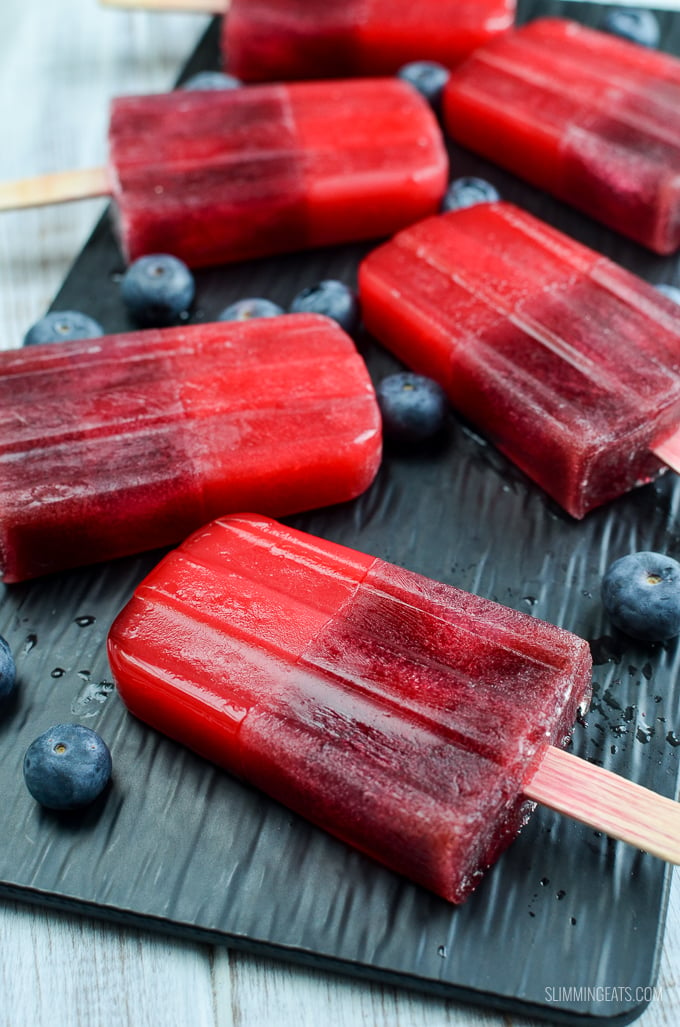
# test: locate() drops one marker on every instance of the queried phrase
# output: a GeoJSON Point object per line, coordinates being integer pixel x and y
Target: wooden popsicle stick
{"type": "Point", "coordinates": [608, 802]}
{"type": "Point", "coordinates": [188, 6]}
{"type": "Point", "coordinates": [57, 187]}
{"type": "Point", "coordinates": [669, 452]}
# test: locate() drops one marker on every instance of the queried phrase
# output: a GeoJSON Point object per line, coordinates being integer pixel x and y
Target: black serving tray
{"type": "Point", "coordinates": [568, 924]}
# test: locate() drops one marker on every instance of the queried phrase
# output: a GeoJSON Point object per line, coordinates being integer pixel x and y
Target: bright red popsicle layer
{"type": "Point", "coordinates": [565, 361]}
{"type": "Point", "coordinates": [268, 40]}
{"type": "Point", "coordinates": [400, 714]}
{"type": "Point", "coordinates": [586, 116]}
{"type": "Point", "coordinates": [223, 176]}
{"type": "Point", "coordinates": [116, 445]}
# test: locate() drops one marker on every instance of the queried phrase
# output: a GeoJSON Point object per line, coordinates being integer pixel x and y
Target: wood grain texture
{"type": "Point", "coordinates": [59, 64]}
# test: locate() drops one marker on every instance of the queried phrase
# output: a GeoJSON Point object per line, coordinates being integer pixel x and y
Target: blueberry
{"type": "Point", "coordinates": [672, 291]}
{"type": "Point", "coordinates": [157, 290]}
{"type": "Point", "coordinates": [641, 594]}
{"type": "Point", "coordinates": [466, 192]}
{"type": "Point", "coordinates": [428, 77]}
{"type": "Point", "coordinates": [8, 671]}
{"type": "Point", "coordinates": [634, 24]}
{"type": "Point", "coordinates": [62, 326]}
{"type": "Point", "coordinates": [244, 310]}
{"type": "Point", "coordinates": [334, 299]}
{"type": "Point", "coordinates": [413, 407]}
{"type": "Point", "coordinates": [211, 80]}
{"type": "Point", "coordinates": [67, 767]}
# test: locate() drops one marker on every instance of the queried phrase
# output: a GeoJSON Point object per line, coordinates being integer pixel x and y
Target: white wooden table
{"type": "Point", "coordinates": [60, 62]}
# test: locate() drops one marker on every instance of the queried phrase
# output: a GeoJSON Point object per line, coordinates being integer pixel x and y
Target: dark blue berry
{"type": "Point", "coordinates": [62, 326]}
{"type": "Point", "coordinates": [334, 299]}
{"type": "Point", "coordinates": [466, 192]}
{"type": "Point", "coordinates": [641, 594]}
{"type": "Point", "coordinates": [634, 24]}
{"type": "Point", "coordinates": [672, 291]}
{"type": "Point", "coordinates": [211, 80]}
{"type": "Point", "coordinates": [413, 407]}
{"type": "Point", "coordinates": [67, 767]}
{"type": "Point", "coordinates": [8, 671]}
{"type": "Point", "coordinates": [157, 290]}
{"type": "Point", "coordinates": [428, 77]}
{"type": "Point", "coordinates": [245, 310]}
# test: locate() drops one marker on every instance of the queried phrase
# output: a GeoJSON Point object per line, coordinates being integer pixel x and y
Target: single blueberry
{"type": "Point", "coordinates": [62, 326]}
{"type": "Point", "coordinates": [8, 671]}
{"type": "Point", "coordinates": [428, 77]}
{"type": "Point", "coordinates": [157, 290]}
{"type": "Point", "coordinates": [641, 594]}
{"type": "Point", "coordinates": [67, 767]}
{"type": "Point", "coordinates": [466, 192]}
{"type": "Point", "coordinates": [211, 80]}
{"type": "Point", "coordinates": [635, 24]}
{"type": "Point", "coordinates": [672, 291]}
{"type": "Point", "coordinates": [413, 407]}
{"type": "Point", "coordinates": [334, 299]}
{"type": "Point", "coordinates": [245, 310]}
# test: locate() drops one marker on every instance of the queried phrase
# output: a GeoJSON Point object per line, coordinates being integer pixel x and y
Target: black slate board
{"type": "Point", "coordinates": [568, 925]}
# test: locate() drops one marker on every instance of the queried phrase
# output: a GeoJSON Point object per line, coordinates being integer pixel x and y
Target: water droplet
{"type": "Point", "coordinates": [609, 699]}
{"type": "Point", "coordinates": [442, 951]}
{"type": "Point", "coordinates": [58, 672]}
{"type": "Point", "coordinates": [84, 622]}
{"type": "Point", "coordinates": [544, 881]}
{"type": "Point", "coordinates": [673, 739]}
{"type": "Point", "coordinates": [30, 643]}
{"type": "Point", "coordinates": [88, 700]}
{"type": "Point", "coordinates": [647, 671]}
{"type": "Point", "coordinates": [613, 749]}
{"type": "Point", "coordinates": [531, 914]}
{"type": "Point", "coordinates": [658, 698]}
{"type": "Point", "coordinates": [560, 894]}
{"type": "Point", "coordinates": [531, 600]}
{"type": "Point", "coordinates": [572, 921]}
{"type": "Point", "coordinates": [84, 674]}
{"type": "Point", "coordinates": [629, 714]}
{"type": "Point", "coordinates": [644, 734]}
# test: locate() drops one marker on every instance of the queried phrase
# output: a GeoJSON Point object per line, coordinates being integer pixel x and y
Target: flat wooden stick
{"type": "Point", "coordinates": [58, 187]}
{"type": "Point", "coordinates": [608, 802]}
{"type": "Point", "coordinates": [188, 6]}
{"type": "Point", "coordinates": [669, 452]}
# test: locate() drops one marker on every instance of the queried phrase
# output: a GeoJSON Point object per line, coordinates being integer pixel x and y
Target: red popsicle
{"type": "Point", "coordinates": [400, 714]}
{"type": "Point", "coordinates": [265, 40]}
{"type": "Point", "coordinates": [586, 116]}
{"type": "Point", "coordinates": [112, 446]}
{"type": "Point", "coordinates": [565, 361]}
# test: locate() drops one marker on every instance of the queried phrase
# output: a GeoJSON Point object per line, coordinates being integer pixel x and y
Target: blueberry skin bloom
{"type": "Point", "coordinates": [468, 191]}
{"type": "Point", "coordinates": [641, 594]}
{"type": "Point", "coordinates": [413, 407]}
{"type": "Point", "coordinates": [635, 24]}
{"type": "Point", "coordinates": [672, 291]}
{"type": "Point", "coordinates": [332, 298]}
{"type": "Point", "coordinates": [62, 326]}
{"type": "Point", "coordinates": [211, 80]}
{"type": "Point", "coordinates": [246, 310]}
{"type": "Point", "coordinates": [157, 290]}
{"type": "Point", "coordinates": [428, 77]}
{"type": "Point", "coordinates": [67, 767]}
{"type": "Point", "coordinates": [8, 671]}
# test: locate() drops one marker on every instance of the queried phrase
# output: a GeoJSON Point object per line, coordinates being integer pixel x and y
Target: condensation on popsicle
{"type": "Point", "coordinates": [565, 361]}
{"type": "Point", "coordinates": [265, 40]}
{"type": "Point", "coordinates": [586, 116]}
{"type": "Point", "coordinates": [402, 715]}
{"type": "Point", "coordinates": [116, 445]}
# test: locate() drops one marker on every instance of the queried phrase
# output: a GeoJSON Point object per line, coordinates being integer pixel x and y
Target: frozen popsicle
{"type": "Point", "coordinates": [412, 720]}
{"type": "Point", "coordinates": [565, 361]}
{"type": "Point", "coordinates": [119, 444]}
{"type": "Point", "coordinates": [587, 116]}
{"type": "Point", "coordinates": [269, 40]}
{"type": "Point", "coordinates": [213, 177]}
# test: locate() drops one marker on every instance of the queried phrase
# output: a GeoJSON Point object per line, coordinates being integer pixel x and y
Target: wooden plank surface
{"type": "Point", "coordinates": [59, 65]}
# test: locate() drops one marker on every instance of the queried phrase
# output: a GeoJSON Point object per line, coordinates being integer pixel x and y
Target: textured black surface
{"type": "Point", "coordinates": [176, 844]}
